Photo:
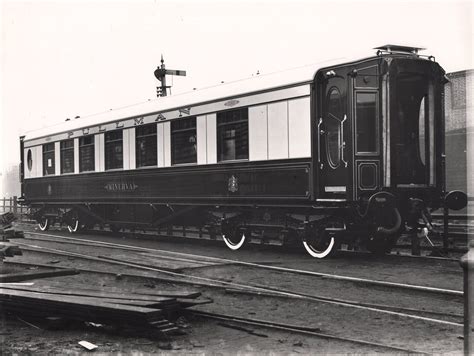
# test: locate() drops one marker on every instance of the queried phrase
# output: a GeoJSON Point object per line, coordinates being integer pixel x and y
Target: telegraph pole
{"type": "Point", "coordinates": [160, 74]}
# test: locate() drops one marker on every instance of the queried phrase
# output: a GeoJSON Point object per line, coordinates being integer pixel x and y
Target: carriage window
{"type": "Point", "coordinates": [366, 122]}
{"type": "Point", "coordinates": [29, 160]}
{"type": "Point", "coordinates": [335, 103]}
{"type": "Point", "coordinates": [421, 131]}
{"type": "Point", "coordinates": [146, 145]}
{"type": "Point", "coordinates": [183, 141]}
{"type": "Point", "coordinates": [86, 154]}
{"type": "Point", "coordinates": [333, 142]}
{"type": "Point", "coordinates": [48, 159]}
{"type": "Point", "coordinates": [232, 135]}
{"type": "Point", "coordinates": [114, 149]}
{"type": "Point", "coordinates": [67, 156]}
{"type": "Point", "coordinates": [333, 127]}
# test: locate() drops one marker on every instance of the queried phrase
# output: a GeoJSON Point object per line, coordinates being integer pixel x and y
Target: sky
{"type": "Point", "coordinates": [60, 59]}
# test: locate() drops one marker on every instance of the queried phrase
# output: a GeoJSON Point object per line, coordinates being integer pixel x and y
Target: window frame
{"type": "Point", "coordinates": [143, 137]}
{"type": "Point", "coordinates": [82, 147]}
{"type": "Point", "coordinates": [52, 155]}
{"type": "Point", "coordinates": [377, 124]}
{"type": "Point", "coordinates": [63, 150]}
{"type": "Point", "coordinates": [220, 140]}
{"type": "Point", "coordinates": [177, 132]}
{"type": "Point", "coordinates": [107, 159]}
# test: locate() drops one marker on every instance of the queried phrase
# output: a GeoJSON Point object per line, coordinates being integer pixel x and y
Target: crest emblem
{"type": "Point", "coordinates": [233, 184]}
{"type": "Point", "coordinates": [231, 103]}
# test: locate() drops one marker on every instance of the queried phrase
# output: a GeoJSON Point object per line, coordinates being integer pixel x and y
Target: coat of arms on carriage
{"type": "Point", "coordinates": [233, 184]}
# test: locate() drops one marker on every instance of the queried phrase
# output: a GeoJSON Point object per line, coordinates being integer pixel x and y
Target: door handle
{"type": "Point", "coordinates": [343, 144]}
{"type": "Point", "coordinates": [320, 133]}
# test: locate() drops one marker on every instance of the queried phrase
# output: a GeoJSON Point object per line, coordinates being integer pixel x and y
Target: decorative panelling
{"type": "Point", "coordinates": [274, 181]}
{"type": "Point", "coordinates": [57, 158]}
{"type": "Point", "coordinates": [201, 132]}
{"type": "Point", "coordinates": [167, 143]}
{"type": "Point", "coordinates": [278, 130]}
{"type": "Point", "coordinates": [36, 162]}
{"type": "Point", "coordinates": [126, 148]}
{"type": "Point", "coordinates": [160, 145]}
{"type": "Point", "coordinates": [211, 138]}
{"type": "Point", "coordinates": [132, 148]}
{"type": "Point", "coordinates": [258, 133]}
{"type": "Point", "coordinates": [99, 153]}
{"type": "Point", "coordinates": [299, 119]}
{"type": "Point", "coordinates": [76, 155]}
{"type": "Point", "coordinates": [39, 161]}
{"type": "Point", "coordinates": [367, 174]}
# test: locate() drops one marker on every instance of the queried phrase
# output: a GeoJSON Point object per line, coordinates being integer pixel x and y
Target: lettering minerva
{"type": "Point", "coordinates": [120, 187]}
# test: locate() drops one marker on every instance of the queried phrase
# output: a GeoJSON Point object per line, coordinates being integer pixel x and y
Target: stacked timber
{"type": "Point", "coordinates": [8, 231]}
{"type": "Point", "coordinates": [123, 310]}
{"type": "Point", "coordinates": [8, 249]}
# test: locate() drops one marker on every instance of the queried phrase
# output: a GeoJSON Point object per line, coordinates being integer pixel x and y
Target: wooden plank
{"type": "Point", "coordinates": [104, 294]}
{"type": "Point", "coordinates": [74, 307]}
{"type": "Point", "coordinates": [186, 303]}
{"type": "Point", "coordinates": [26, 276]}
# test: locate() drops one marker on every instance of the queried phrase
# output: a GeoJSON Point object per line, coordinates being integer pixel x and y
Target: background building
{"type": "Point", "coordinates": [459, 131]}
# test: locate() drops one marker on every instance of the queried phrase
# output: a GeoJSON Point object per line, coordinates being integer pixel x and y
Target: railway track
{"type": "Point", "coordinates": [270, 293]}
{"type": "Point", "coordinates": [205, 261]}
{"type": "Point", "coordinates": [181, 256]}
{"type": "Point", "coordinates": [224, 288]}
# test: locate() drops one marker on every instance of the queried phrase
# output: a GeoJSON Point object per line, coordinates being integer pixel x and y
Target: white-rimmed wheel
{"type": "Point", "coordinates": [73, 223]}
{"type": "Point", "coordinates": [234, 240]}
{"type": "Point", "coordinates": [73, 226]}
{"type": "Point", "coordinates": [319, 245]}
{"type": "Point", "coordinates": [43, 223]}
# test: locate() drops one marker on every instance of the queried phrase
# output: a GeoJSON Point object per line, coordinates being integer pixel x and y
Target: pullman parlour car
{"type": "Point", "coordinates": [341, 153]}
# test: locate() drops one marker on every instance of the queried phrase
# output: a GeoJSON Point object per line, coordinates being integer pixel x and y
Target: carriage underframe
{"type": "Point", "coordinates": [374, 225]}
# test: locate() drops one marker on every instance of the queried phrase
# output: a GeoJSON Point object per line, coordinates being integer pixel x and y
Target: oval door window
{"type": "Point", "coordinates": [333, 128]}
{"type": "Point", "coordinates": [333, 142]}
{"type": "Point", "coordinates": [29, 160]}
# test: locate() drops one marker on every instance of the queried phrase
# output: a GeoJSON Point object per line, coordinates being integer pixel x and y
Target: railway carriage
{"type": "Point", "coordinates": [344, 152]}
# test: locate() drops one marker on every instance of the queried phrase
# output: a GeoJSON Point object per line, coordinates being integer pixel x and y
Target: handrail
{"type": "Point", "coordinates": [319, 139]}
{"type": "Point", "coordinates": [343, 144]}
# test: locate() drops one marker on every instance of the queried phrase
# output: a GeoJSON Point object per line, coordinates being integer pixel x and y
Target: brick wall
{"type": "Point", "coordinates": [459, 131]}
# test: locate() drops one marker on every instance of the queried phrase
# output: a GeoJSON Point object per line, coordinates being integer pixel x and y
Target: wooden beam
{"type": "Point", "coordinates": [26, 276]}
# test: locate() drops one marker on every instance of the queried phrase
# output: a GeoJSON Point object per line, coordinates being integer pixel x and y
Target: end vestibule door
{"type": "Point", "coordinates": [333, 138]}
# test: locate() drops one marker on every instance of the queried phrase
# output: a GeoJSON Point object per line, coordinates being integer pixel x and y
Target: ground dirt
{"type": "Point", "coordinates": [206, 336]}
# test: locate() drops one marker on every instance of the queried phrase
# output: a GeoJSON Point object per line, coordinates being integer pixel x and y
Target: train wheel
{"type": "Point", "coordinates": [233, 241]}
{"type": "Point", "coordinates": [320, 246]}
{"type": "Point", "coordinates": [73, 226]}
{"type": "Point", "coordinates": [43, 223]}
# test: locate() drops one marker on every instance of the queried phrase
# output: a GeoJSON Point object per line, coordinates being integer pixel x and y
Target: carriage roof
{"type": "Point", "coordinates": [239, 88]}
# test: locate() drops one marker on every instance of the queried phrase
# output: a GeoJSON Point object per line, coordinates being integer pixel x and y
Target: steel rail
{"type": "Point", "coordinates": [272, 293]}
{"type": "Point", "coordinates": [124, 247]}
{"type": "Point", "coordinates": [246, 286]}
{"type": "Point", "coordinates": [281, 269]}
{"type": "Point", "coordinates": [298, 329]}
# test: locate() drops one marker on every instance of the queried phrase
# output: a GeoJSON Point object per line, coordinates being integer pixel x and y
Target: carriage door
{"type": "Point", "coordinates": [366, 131]}
{"type": "Point", "coordinates": [334, 138]}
